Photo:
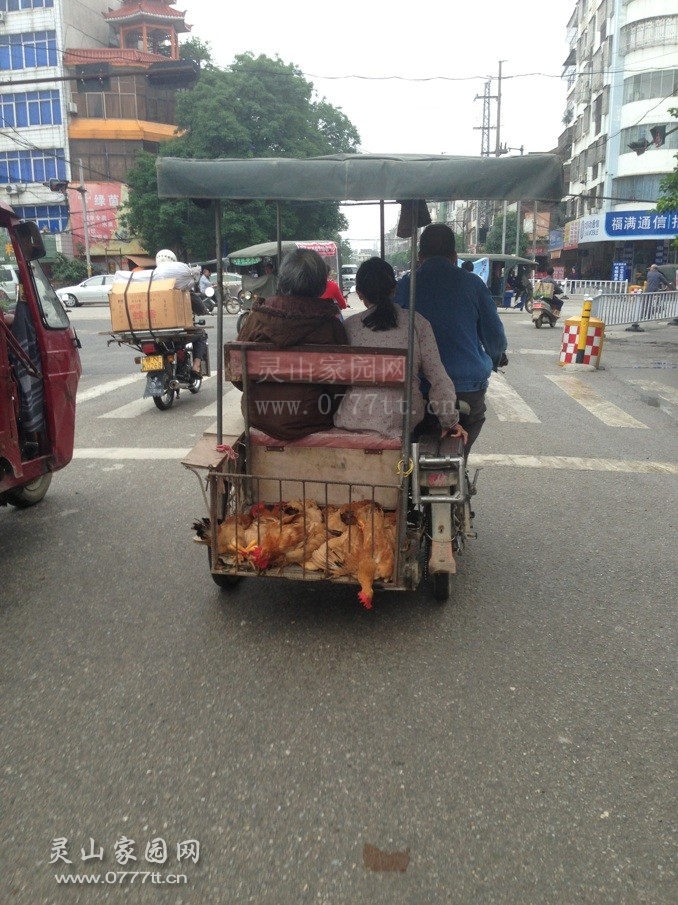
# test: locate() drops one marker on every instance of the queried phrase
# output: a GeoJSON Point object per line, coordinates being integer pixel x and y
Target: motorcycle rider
{"type": "Point", "coordinates": [555, 302]}
{"type": "Point", "coordinates": [166, 256]}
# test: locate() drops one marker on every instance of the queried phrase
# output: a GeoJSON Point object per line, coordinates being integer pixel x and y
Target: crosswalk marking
{"type": "Point", "coordinates": [508, 405]}
{"type": "Point", "coordinates": [131, 410]}
{"type": "Point", "coordinates": [102, 388]}
{"type": "Point", "coordinates": [667, 393]}
{"type": "Point", "coordinates": [562, 463]}
{"type": "Point", "coordinates": [605, 411]}
{"type": "Point", "coordinates": [210, 411]}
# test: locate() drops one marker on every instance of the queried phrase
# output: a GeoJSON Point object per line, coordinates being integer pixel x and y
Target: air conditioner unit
{"type": "Point", "coordinates": [72, 107]}
{"type": "Point", "coordinates": [2, 16]}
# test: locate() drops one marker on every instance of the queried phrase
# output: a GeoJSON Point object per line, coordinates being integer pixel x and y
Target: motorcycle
{"type": "Point", "coordinates": [246, 298]}
{"type": "Point", "coordinates": [167, 355]}
{"type": "Point", "coordinates": [543, 312]}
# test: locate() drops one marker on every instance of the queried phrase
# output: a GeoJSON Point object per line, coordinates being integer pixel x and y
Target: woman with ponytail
{"type": "Point", "coordinates": [386, 324]}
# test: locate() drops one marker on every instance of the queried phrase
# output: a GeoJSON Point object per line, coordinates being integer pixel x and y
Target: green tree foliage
{"type": "Point", "coordinates": [68, 271]}
{"type": "Point", "coordinates": [668, 187]}
{"type": "Point", "coordinates": [494, 236]}
{"type": "Point", "coordinates": [196, 50]}
{"type": "Point", "coordinates": [260, 107]}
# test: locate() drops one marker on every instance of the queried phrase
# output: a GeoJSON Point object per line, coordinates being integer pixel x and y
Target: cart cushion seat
{"type": "Point", "coordinates": [333, 439]}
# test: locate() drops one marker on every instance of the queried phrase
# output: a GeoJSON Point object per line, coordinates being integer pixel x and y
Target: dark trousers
{"type": "Point", "coordinates": [473, 422]}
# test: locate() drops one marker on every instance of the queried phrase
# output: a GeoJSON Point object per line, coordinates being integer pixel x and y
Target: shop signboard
{"type": "Point", "coordinates": [620, 271]}
{"type": "Point", "coordinates": [641, 224]}
{"type": "Point", "coordinates": [618, 225]}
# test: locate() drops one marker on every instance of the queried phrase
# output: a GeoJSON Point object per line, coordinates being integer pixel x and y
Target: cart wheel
{"type": "Point", "coordinates": [225, 582]}
{"type": "Point", "coordinates": [440, 585]}
{"type": "Point", "coordinates": [528, 305]}
{"type": "Point", "coordinates": [30, 494]}
{"type": "Point", "coordinates": [232, 306]}
{"type": "Point", "coordinates": [241, 320]}
{"type": "Point", "coordinates": [166, 401]}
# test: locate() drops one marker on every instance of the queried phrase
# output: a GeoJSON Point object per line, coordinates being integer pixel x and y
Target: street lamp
{"type": "Point", "coordinates": [61, 185]}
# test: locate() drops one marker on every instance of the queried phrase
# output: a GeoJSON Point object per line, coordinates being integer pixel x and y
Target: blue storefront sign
{"type": "Point", "coordinates": [641, 224]}
{"type": "Point", "coordinates": [620, 270]}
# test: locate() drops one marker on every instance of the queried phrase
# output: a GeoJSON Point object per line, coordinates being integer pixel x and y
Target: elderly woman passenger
{"type": "Point", "coordinates": [295, 316]}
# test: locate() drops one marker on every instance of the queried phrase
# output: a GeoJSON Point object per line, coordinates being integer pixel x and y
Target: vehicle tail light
{"type": "Point", "coordinates": [148, 348]}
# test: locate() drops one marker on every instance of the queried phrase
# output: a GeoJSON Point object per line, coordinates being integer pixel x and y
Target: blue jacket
{"type": "Point", "coordinates": [463, 314]}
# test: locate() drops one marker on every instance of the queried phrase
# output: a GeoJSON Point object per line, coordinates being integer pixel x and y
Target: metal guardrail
{"type": "Point", "coordinates": [591, 287]}
{"type": "Point", "coordinates": [636, 308]}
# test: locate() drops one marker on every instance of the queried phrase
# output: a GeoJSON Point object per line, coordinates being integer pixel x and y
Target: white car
{"type": "Point", "coordinates": [92, 291]}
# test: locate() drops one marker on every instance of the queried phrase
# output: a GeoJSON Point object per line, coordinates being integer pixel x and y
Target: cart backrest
{"type": "Point", "coordinates": [340, 365]}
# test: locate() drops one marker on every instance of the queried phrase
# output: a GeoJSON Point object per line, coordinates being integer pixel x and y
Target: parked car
{"type": "Point", "coordinates": [92, 291]}
{"type": "Point", "coordinates": [9, 280]}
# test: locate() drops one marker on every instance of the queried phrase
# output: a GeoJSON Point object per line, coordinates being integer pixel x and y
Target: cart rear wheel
{"type": "Point", "coordinates": [30, 494]}
{"type": "Point", "coordinates": [437, 584]}
{"type": "Point", "coordinates": [440, 586]}
{"type": "Point", "coordinates": [528, 305]}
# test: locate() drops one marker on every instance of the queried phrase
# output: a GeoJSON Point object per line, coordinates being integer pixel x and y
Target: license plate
{"type": "Point", "coordinates": [152, 363]}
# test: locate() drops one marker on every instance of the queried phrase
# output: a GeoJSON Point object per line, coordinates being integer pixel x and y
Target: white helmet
{"type": "Point", "coordinates": [165, 256]}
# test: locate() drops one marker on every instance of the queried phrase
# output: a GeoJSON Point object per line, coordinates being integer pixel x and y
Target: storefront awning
{"type": "Point", "coordinates": [141, 260]}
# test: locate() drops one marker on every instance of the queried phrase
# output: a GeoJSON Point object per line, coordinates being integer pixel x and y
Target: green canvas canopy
{"type": "Point", "coordinates": [364, 177]}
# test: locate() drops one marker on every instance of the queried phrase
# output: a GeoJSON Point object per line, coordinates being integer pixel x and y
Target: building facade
{"type": "Point", "coordinates": [84, 87]}
{"type": "Point", "coordinates": [622, 78]}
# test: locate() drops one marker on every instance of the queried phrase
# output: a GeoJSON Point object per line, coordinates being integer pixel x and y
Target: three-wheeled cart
{"type": "Point", "coordinates": [337, 505]}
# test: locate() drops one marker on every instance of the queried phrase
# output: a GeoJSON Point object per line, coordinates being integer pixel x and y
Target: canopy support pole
{"type": "Point", "coordinates": [220, 324]}
{"type": "Point", "coordinates": [382, 230]}
{"type": "Point", "coordinates": [278, 231]}
{"type": "Point", "coordinates": [406, 449]}
{"type": "Point", "coordinates": [518, 230]}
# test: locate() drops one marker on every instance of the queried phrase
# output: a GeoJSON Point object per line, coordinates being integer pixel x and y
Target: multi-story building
{"type": "Point", "coordinates": [622, 76]}
{"type": "Point", "coordinates": [83, 87]}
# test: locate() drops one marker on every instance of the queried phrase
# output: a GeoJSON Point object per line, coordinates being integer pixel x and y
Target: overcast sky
{"type": "Point", "coordinates": [406, 75]}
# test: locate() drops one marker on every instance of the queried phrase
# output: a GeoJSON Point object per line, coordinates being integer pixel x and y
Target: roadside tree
{"type": "Point", "coordinates": [259, 107]}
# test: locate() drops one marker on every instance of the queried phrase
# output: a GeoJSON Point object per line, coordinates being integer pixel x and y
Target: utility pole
{"type": "Point", "coordinates": [83, 194]}
{"type": "Point", "coordinates": [498, 150]}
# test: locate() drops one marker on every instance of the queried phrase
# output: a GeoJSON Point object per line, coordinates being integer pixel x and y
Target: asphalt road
{"type": "Point", "coordinates": [518, 742]}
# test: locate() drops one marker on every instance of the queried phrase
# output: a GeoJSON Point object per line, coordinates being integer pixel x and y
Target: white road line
{"type": "Point", "coordinates": [130, 453]}
{"type": "Point", "coordinates": [573, 463]}
{"type": "Point", "coordinates": [507, 403]}
{"type": "Point", "coordinates": [605, 411]}
{"type": "Point", "coordinates": [554, 353]}
{"type": "Point", "coordinates": [652, 386]}
{"type": "Point", "coordinates": [210, 411]}
{"type": "Point", "coordinates": [103, 388]}
{"type": "Point", "coordinates": [501, 460]}
{"type": "Point", "coordinates": [131, 410]}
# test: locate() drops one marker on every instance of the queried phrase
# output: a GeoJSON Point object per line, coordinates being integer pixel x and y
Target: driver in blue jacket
{"type": "Point", "coordinates": [470, 335]}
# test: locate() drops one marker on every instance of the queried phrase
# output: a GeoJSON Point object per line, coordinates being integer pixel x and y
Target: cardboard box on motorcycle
{"type": "Point", "coordinates": [149, 305]}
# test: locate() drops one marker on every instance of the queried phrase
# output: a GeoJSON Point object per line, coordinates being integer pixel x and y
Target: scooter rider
{"type": "Point", "coordinates": [555, 302]}
{"type": "Point", "coordinates": [199, 341]}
